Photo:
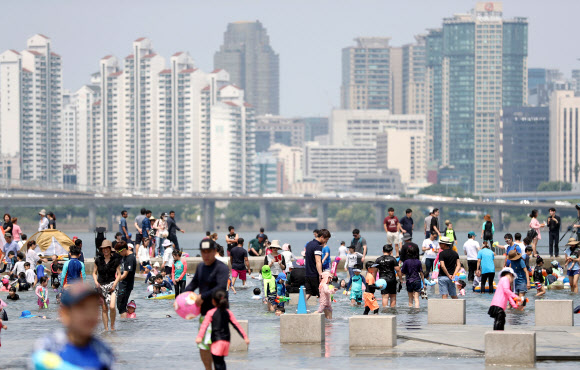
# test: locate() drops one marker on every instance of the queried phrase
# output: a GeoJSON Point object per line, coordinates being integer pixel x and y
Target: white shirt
{"type": "Point", "coordinates": [342, 251]}
{"type": "Point", "coordinates": [168, 257]}
{"type": "Point", "coordinates": [18, 268]}
{"type": "Point", "coordinates": [471, 247]}
{"type": "Point", "coordinates": [352, 258]}
{"type": "Point", "coordinates": [32, 257]}
{"type": "Point", "coordinates": [288, 257]}
{"type": "Point", "coordinates": [30, 276]}
{"type": "Point", "coordinates": [433, 247]}
{"type": "Point", "coordinates": [43, 224]}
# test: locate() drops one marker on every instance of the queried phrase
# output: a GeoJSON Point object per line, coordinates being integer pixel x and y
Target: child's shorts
{"type": "Point", "coordinates": [41, 303]}
{"type": "Point", "coordinates": [220, 348]}
{"type": "Point", "coordinates": [538, 285]}
{"type": "Point", "coordinates": [357, 296]}
{"type": "Point", "coordinates": [272, 299]}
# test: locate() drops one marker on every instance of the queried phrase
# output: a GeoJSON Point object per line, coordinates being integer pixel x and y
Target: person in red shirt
{"type": "Point", "coordinates": [391, 224]}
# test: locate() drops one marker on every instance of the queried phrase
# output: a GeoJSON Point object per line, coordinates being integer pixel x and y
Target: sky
{"type": "Point", "coordinates": [307, 34]}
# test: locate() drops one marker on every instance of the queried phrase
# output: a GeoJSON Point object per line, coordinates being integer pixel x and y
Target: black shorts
{"type": "Point", "coordinates": [122, 299]}
{"type": "Point", "coordinates": [391, 288]}
{"type": "Point", "coordinates": [311, 285]}
{"type": "Point", "coordinates": [414, 286]}
{"type": "Point", "coordinates": [168, 271]}
{"type": "Point", "coordinates": [138, 238]}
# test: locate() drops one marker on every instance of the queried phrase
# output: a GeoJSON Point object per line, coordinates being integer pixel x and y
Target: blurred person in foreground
{"type": "Point", "coordinates": [75, 346]}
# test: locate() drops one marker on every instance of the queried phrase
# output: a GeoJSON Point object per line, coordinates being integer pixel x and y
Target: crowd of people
{"type": "Point", "coordinates": [403, 263]}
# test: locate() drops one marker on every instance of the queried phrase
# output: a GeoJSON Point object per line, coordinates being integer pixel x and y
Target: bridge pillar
{"type": "Point", "coordinates": [92, 218]}
{"type": "Point", "coordinates": [110, 218]}
{"type": "Point", "coordinates": [265, 215]}
{"type": "Point", "coordinates": [323, 215]}
{"type": "Point", "coordinates": [208, 214]}
{"type": "Point", "coordinates": [497, 220]}
{"type": "Point", "coordinates": [380, 215]}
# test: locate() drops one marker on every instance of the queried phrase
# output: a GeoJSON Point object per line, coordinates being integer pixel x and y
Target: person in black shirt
{"type": "Point", "coordinates": [127, 280]}
{"type": "Point", "coordinates": [231, 239]}
{"type": "Point", "coordinates": [172, 229]}
{"type": "Point", "coordinates": [435, 222]}
{"type": "Point", "coordinates": [407, 238]}
{"type": "Point", "coordinates": [388, 270]}
{"type": "Point", "coordinates": [554, 225]}
{"type": "Point", "coordinates": [210, 276]}
{"type": "Point", "coordinates": [106, 274]}
{"type": "Point", "coordinates": [406, 223]}
{"type": "Point", "coordinates": [296, 278]}
{"type": "Point", "coordinates": [449, 266]}
{"type": "Point", "coordinates": [313, 262]}
{"type": "Point", "coordinates": [239, 261]}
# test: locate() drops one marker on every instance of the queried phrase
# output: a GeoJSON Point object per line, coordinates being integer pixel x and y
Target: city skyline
{"type": "Point", "coordinates": [310, 75]}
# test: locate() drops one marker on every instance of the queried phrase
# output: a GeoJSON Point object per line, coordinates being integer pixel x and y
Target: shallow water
{"type": "Point", "coordinates": [154, 341]}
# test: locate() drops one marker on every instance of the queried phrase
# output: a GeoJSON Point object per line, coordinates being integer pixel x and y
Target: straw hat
{"type": "Point", "coordinates": [275, 244]}
{"type": "Point", "coordinates": [514, 255]}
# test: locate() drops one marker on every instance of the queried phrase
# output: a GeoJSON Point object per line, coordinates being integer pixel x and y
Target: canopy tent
{"type": "Point", "coordinates": [50, 242]}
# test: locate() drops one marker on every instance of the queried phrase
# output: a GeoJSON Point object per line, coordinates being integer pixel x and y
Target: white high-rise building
{"type": "Point", "coordinates": [69, 138]}
{"type": "Point", "coordinates": [150, 126]}
{"type": "Point", "coordinates": [31, 110]}
{"type": "Point", "coordinates": [564, 143]}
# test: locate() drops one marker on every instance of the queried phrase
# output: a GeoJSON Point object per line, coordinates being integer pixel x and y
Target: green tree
{"type": "Point", "coordinates": [238, 213]}
{"type": "Point", "coordinates": [554, 186]}
{"type": "Point", "coordinates": [440, 189]}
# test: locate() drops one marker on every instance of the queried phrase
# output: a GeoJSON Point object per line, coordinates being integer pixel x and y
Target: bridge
{"type": "Point", "coordinates": [537, 196]}
{"type": "Point", "coordinates": [114, 204]}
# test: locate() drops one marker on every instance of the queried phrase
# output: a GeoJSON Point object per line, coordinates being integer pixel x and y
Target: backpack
{"type": "Point", "coordinates": [532, 234]}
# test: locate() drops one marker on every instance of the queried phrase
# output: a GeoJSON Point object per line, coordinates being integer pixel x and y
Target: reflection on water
{"type": "Point", "coordinates": [154, 341]}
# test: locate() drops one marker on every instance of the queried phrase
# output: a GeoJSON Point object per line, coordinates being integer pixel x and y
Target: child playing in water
{"type": "Point", "coordinates": [539, 277]}
{"type": "Point", "coordinates": [54, 270]}
{"type": "Point", "coordinates": [42, 293]}
{"type": "Point", "coordinates": [131, 307]}
{"type": "Point", "coordinates": [281, 287]}
{"type": "Point", "coordinates": [413, 275]}
{"type": "Point", "coordinates": [220, 317]}
{"type": "Point", "coordinates": [503, 295]}
{"type": "Point", "coordinates": [371, 303]}
{"type": "Point", "coordinates": [356, 292]}
{"type": "Point", "coordinates": [156, 291]}
{"type": "Point", "coordinates": [257, 293]}
{"type": "Point", "coordinates": [178, 273]}
{"type": "Point", "coordinates": [12, 294]}
{"type": "Point", "coordinates": [3, 314]}
{"type": "Point", "coordinates": [325, 292]}
{"type": "Point", "coordinates": [269, 287]}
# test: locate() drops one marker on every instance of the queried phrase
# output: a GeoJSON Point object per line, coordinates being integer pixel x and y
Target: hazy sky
{"type": "Point", "coordinates": [308, 35]}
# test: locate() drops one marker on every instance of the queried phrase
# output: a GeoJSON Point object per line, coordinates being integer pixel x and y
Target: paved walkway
{"type": "Point", "coordinates": [552, 343]}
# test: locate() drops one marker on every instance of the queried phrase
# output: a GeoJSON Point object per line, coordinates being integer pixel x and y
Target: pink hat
{"type": "Point", "coordinates": [285, 247]}
{"type": "Point", "coordinates": [132, 305]}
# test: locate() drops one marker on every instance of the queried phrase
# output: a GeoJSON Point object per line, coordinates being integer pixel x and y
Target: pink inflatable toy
{"type": "Point", "coordinates": [185, 305]}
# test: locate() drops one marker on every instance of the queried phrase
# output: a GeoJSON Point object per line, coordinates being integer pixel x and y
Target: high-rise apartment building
{"type": "Point", "coordinates": [564, 144]}
{"type": "Point", "coordinates": [413, 77]}
{"type": "Point", "coordinates": [69, 138]}
{"type": "Point", "coordinates": [476, 65]}
{"type": "Point", "coordinates": [31, 111]}
{"type": "Point", "coordinates": [252, 64]}
{"type": "Point", "coordinates": [276, 129]}
{"type": "Point", "coordinates": [149, 127]}
{"type": "Point", "coordinates": [523, 150]}
{"type": "Point", "coordinates": [366, 74]}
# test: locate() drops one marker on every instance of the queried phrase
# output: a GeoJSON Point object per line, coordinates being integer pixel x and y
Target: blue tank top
{"type": "Point", "coordinates": [74, 270]}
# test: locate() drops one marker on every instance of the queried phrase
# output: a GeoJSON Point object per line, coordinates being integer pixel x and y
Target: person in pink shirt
{"type": "Point", "coordinates": [503, 295]}
{"type": "Point", "coordinates": [131, 307]}
{"type": "Point", "coordinates": [325, 292]}
{"type": "Point", "coordinates": [535, 225]}
{"type": "Point", "coordinates": [16, 231]}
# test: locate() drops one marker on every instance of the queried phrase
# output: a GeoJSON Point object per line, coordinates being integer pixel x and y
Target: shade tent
{"type": "Point", "coordinates": [50, 242]}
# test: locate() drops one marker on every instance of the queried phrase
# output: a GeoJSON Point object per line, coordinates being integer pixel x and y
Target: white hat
{"type": "Point", "coordinates": [156, 264]}
{"type": "Point", "coordinates": [42, 212]}
{"type": "Point", "coordinates": [275, 244]}
{"type": "Point", "coordinates": [508, 270]}
{"type": "Point", "coordinates": [166, 243]}
{"type": "Point", "coordinates": [131, 246]}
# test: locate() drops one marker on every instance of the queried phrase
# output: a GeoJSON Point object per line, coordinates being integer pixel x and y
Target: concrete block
{"type": "Point", "coordinates": [554, 312]}
{"type": "Point", "coordinates": [510, 348]}
{"type": "Point", "coordinates": [237, 343]}
{"type": "Point", "coordinates": [382, 327]}
{"type": "Point", "coordinates": [446, 311]}
{"type": "Point", "coordinates": [307, 328]}
{"type": "Point", "coordinates": [313, 301]}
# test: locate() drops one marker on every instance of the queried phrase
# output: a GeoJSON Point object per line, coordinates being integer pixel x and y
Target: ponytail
{"type": "Point", "coordinates": [221, 300]}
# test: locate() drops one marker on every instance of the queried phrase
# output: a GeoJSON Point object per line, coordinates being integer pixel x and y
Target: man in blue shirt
{"type": "Point", "coordinates": [510, 246]}
{"type": "Point", "coordinates": [123, 226]}
{"type": "Point", "coordinates": [313, 262]}
{"type": "Point", "coordinates": [145, 227]}
{"type": "Point", "coordinates": [9, 246]}
{"type": "Point", "coordinates": [522, 282]}
{"type": "Point", "coordinates": [406, 223]}
{"type": "Point", "coordinates": [325, 258]}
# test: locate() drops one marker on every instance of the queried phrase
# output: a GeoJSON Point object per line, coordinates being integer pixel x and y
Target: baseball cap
{"type": "Point", "coordinates": [262, 236]}
{"type": "Point", "coordinates": [149, 267]}
{"type": "Point", "coordinates": [207, 244]}
{"type": "Point", "coordinates": [356, 270]}
{"type": "Point", "coordinates": [132, 305]}
{"type": "Point", "coordinates": [76, 293]}
{"type": "Point", "coordinates": [507, 270]}
{"type": "Point", "coordinates": [407, 236]}
{"type": "Point", "coordinates": [8, 235]}
{"type": "Point", "coordinates": [375, 265]}
{"type": "Point", "coordinates": [470, 234]}
{"type": "Point", "coordinates": [555, 263]}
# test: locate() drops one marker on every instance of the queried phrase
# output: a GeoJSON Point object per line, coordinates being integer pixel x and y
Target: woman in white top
{"type": "Point", "coordinates": [31, 255]}
{"type": "Point", "coordinates": [161, 233]}
{"type": "Point", "coordinates": [275, 260]}
{"type": "Point", "coordinates": [288, 257]}
{"type": "Point", "coordinates": [431, 248]}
